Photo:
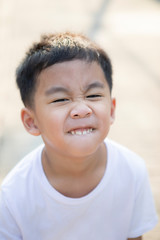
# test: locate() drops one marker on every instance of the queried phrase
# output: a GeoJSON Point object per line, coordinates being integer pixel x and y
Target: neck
{"type": "Point", "coordinates": [56, 165]}
{"type": "Point", "coordinates": [75, 177]}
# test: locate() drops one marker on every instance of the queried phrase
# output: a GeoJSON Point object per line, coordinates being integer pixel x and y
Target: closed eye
{"type": "Point", "coordinates": [94, 96]}
{"type": "Point", "coordinates": [61, 100]}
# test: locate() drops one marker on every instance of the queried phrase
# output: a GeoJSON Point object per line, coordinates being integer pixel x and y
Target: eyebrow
{"type": "Point", "coordinates": [53, 90]}
{"type": "Point", "coordinates": [94, 85]}
{"type": "Point", "coordinates": [57, 89]}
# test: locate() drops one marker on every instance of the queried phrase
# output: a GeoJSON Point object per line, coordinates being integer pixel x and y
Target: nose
{"type": "Point", "coordinates": [80, 110]}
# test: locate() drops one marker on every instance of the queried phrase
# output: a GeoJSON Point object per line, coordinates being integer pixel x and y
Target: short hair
{"type": "Point", "coordinates": [57, 48]}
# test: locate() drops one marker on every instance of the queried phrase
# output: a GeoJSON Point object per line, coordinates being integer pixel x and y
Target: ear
{"type": "Point", "coordinates": [113, 108]}
{"type": "Point", "coordinates": [28, 120]}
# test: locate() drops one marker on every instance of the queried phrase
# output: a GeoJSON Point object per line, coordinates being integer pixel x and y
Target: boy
{"type": "Point", "coordinates": [78, 185]}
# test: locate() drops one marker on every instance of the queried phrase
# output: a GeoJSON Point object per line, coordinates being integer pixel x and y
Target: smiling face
{"type": "Point", "coordinates": [73, 108]}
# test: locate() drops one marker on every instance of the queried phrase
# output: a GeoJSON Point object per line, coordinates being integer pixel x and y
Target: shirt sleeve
{"type": "Point", "coordinates": [8, 227]}
{"type": "Point", "coordinates": [144, 213]}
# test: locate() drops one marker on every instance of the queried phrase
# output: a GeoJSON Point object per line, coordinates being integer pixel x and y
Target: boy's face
{"type": "Point", "coordinates": [73, 108]}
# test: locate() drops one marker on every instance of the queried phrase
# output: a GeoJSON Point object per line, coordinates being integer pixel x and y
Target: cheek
{"type": "Point", "coordinates": [56, 122]}
{"type": "Point", "coordinates": [49, 123]}
{"type": "Point", "coordinates": [104, 111]}
{"type": "Point", "coordinates": [104, 117]}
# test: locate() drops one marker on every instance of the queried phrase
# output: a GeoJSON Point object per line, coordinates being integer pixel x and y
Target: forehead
{"type": "Point", "coordinates": [71, 74]}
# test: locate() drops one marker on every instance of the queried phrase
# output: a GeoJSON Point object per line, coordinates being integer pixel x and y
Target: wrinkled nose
{"type": "Point", "coordinates": [80, 110]}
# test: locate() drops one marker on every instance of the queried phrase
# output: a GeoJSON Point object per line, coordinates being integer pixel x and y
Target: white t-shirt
{"type": "Point", "coordinates": [120, 207]}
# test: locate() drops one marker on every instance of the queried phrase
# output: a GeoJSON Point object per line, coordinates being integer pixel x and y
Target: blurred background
{"type": "Point", "coordinates": [129, 30]}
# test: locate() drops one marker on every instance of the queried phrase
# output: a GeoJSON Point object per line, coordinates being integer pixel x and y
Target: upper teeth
{"type": "Point", "coordinates": [82, 132]}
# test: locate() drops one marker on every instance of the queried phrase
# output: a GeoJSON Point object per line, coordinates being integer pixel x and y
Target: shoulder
{"type": "Point", "coordinates": [22, 172]}
{"type": "Point", "coordinates": [123, 152]}
{"type": "Point", "coordinates": [126, 160]}
{"type": "Point", "coordinates": [20, 186]}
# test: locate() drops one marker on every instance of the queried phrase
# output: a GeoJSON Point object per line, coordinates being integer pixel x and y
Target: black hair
{"type": "Point", "coordinates": [56, 48]}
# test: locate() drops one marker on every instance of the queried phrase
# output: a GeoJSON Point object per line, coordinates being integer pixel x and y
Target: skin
{"type": "Point", "coordinates": [73, 111]}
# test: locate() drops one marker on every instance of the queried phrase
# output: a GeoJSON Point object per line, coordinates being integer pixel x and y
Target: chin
{"type": "Point", "coordinates": [83, 149]}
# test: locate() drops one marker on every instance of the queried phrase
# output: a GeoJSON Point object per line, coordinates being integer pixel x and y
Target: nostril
{"type": "Point", "coordinates": [80, 115]}
{"type": "Point", "coordinates": [75, 115]}
{"type": "Point", "coordinates": [89, 113]}
{"type": "Point", "coordinates": [80, 111]}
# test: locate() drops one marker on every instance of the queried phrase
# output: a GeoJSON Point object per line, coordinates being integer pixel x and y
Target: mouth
{"type": "Point", "coordinates": [81, 131]}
